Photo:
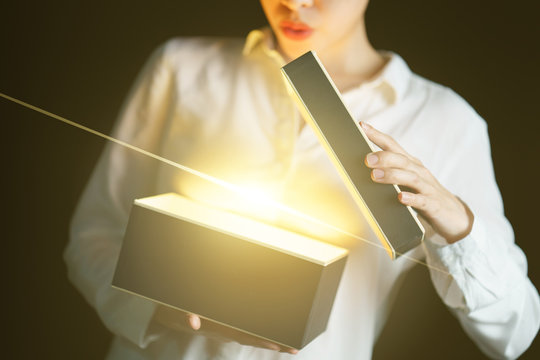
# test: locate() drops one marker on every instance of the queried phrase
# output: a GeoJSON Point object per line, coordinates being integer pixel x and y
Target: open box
{"type": "Point", "coordinates": [246, 274]}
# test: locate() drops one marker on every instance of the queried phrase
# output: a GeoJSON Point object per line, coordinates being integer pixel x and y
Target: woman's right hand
{"type": "Point", "coordinates": [183, 321]}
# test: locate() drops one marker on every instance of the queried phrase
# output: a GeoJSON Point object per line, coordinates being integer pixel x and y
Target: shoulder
{"type": "Point", "coordinates": [441, 127]}
{"type": "Point", "coordinates": [196, 52]}
{"type": "Point", "coordinates": [444, 106]}
{"type": "Point", "coordinates": [192, 62]}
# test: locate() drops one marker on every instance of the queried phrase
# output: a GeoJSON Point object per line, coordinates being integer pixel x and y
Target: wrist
{"type": "Point", "coordinates": [467, 224]}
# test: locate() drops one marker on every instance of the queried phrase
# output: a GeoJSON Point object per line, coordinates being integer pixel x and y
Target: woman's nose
{"type": "Point", "coordinates": [296, 4]}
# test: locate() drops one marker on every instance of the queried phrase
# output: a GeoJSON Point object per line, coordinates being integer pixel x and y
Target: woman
{"type": "Point", "coordinates": [221, 106]}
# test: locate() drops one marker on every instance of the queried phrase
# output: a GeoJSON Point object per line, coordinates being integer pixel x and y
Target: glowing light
{"type": "Point", "coordinates": [243, 227]}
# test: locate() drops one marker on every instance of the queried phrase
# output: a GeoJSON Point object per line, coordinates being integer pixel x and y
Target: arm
{"type": "Point", "coordinates": [120, 176]}
{"type": "Point", "coordinates": [487, 285]}
{"type": "Point", "coordinates": [97, 228]}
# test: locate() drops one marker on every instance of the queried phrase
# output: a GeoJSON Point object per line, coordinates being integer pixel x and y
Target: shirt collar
{"type": "Point", "coordinates": [395, 74]}
{"type": "Point", "coordinates": [262, 39]}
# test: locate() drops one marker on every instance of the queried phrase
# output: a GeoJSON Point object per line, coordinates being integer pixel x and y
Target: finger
{"type": "Point", "coordinates": [194, 321]}
{"type": "Point", "coordinates": [418, 201]}
{"type": "Point", "coordinates": [401, 177]}
{"type": "Point", "coordinates": [388, 159]}
{"type": "Point", "coordinates": [382, 140]}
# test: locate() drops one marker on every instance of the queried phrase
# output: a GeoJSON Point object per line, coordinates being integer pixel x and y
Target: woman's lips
{"type": "Point", "coordinates": [295, 30]}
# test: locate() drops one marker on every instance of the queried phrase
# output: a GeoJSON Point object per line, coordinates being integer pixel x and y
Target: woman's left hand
{"type": "Point", "coordinates": [446, 213]}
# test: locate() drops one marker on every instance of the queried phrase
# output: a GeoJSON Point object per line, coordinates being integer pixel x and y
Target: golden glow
{"type": "Point", "coordinates": [243, 227]}
{"type": "Point", "coordinates": [248, 201]}
{"type": "Point", "coordinates": [234, 188]}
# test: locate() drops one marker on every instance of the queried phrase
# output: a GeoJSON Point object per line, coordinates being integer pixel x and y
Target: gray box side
{"type": "Point", "coordinates": [324, 300]}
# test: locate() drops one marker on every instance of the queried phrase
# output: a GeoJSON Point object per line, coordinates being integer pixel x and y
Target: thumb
{"type": "Point", "coordinates": [194, 321]}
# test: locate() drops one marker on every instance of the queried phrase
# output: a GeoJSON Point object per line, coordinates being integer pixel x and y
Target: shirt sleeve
{"type": "Point", "coordinates": [120, 176]}
{"type": "Point", "coordinates": [486, 284]}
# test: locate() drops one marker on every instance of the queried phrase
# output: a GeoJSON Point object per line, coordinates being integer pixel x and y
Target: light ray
{"type": "Point", "coordinates": [245, 193]}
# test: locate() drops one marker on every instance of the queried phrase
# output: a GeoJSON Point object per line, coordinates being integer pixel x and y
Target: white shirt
{"type": "Point", "coordinates": [221, 106]}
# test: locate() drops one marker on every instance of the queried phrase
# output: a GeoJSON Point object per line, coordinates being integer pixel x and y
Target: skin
{"type": "Point", "coordinates": [443, 212]}
{"type": "Point", "coordinates": [341, 42]}
{"type": "Point", "coordinates": [339, 37]}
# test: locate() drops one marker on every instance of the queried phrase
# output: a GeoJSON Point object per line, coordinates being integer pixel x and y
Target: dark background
{"type": "Point", "coordinates": [78, 59]}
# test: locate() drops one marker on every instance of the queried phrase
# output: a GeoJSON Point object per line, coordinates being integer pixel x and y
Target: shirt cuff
{"type": "Point", "coordinates": [134, 320]}
{"type": "Point", "coordinates": [471, 272]}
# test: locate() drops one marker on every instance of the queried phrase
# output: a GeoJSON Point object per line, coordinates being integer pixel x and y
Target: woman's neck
{"type": "Point", "coordinates": [350, 61]}
{"type": "Point", "coordinates": [353, 60]}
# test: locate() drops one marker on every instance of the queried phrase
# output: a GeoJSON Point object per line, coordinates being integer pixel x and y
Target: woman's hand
{"type": "Point", "coordinates": [182, 321]}
{"type": "Point", "coordinates": [446, 213]}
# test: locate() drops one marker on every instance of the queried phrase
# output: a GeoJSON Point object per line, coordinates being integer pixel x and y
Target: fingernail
{"type": "Point", "coordinates": [364, 125]}
{"type": "Point", "coordinates": [372, 159]}
{"type": "Point", "coordinates": [378, 173]}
